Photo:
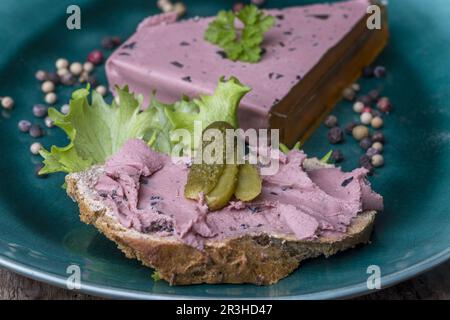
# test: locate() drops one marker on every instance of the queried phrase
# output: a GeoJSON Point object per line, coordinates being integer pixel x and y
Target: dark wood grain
{"type": "Point", "coordinates": [434, 284]}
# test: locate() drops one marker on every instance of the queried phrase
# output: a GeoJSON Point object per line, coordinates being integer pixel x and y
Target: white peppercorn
{"type": "Point", "coordinates": [51, 98]}
{"type": "Point", "coordinates": [366, 118]}
{"type": "Point", "coordinates": [47, 86]}
{"type": "Point", "coordinates": [62, 63]}
{"type": "Point", "coordinates": [76, 68]}
{"type": "Point", "coordinates": [377, 160]}
{"type": "Point", "coordinates": [7, 103]}
{"type": "Point", "coordinates": [35, 148]}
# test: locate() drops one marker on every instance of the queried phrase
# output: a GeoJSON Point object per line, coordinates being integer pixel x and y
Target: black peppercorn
{"type": "Point", "coordinates": [378, 136]}
{"type": "Point", "coordinates": [365, 143]}
{"type": "Point", "coordinates": [349, 127]}
{"type": "Point", "coordinates": [335, 135]}
{"type": "Point", "coordinates": [337, 156]}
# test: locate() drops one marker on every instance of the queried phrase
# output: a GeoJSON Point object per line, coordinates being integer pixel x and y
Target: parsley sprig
{"type": "Point", "coordinates": [240, 44]}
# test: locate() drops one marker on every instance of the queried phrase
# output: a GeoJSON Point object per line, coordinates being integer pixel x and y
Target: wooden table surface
{"type": "Point", "coordinates": [434, 284]}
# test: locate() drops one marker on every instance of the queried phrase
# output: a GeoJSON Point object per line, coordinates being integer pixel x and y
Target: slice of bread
{"type": "Point", "coordinates": [260, 259]}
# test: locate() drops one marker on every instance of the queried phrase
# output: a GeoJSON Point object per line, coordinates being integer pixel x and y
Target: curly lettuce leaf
{"type": "Point", "coordinates": [97, 130]}
{"type": "Point", "coordinates": [221, 106]}
{"type": "Point", "coordinates": [243, 45]}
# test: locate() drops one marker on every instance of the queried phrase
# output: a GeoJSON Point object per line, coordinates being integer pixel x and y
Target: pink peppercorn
{"type": "Point", "coordinates": [384, 105]}
{"type": "Point", "coordinates": [95, 57]}
{"type": "Point", "coordinates": [116, 41]}
{"type": "Point", "coordinates": [367, 109]}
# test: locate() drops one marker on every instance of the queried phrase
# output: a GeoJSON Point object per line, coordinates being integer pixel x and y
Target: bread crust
{"type": "Point", "coordinates": [259, 259]}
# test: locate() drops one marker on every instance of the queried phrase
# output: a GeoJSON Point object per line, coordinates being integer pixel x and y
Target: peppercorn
{"type": "Point", "coordinates": [384, 105]}
{"type": "Point", "coordinates": [365, 143]}
{"type": "Point", "coordinates": [378, 146]}
{"type": "Point", "coordinates": [76, 68]}
{"type": "Point", "coordinates": [366, 117]}
{"type": "Point", "coordinates": [62, 72]}
{"type": "Point", "coordinates": [68, 79]}
{"type": "Point", "coordinates": [53, 77]}
{"type": "Point", "coordinates": [371, 152]}
{"type": "Point", "coordinates": [92, 81]}
{"type": "Point", "coordinates": [379, 71]}
{"type": "Point", "coordinates": [378, 137]}
{"type": "Point", "coordinates": [24, 125]}
{"type": "Point", "coordinates": [83, 77]}
{"type": "Point", "coordinates": [358, 106]}
{"type": "Point", "coordinates": [65, 109]}
{"type": "Point", "coordinates": [47, 86]}
{"type": "Point", "coordinates": [62, 63]}
{"type": "Point", "coordinates": [101, 90]}
{"type": "Point", "coordinates": [367, 109]}
{"type": "Point", "coordinates": [377, 160]}
{"type": "Point", "coordinates": [49, 122]}
{"type": "Point", "coordinates": [95, 57]}
{"type": "Point", "coordinates": [165, 5]}
{"type": "Point", "coordinates": [39, 110]}
{"type": "Point", "coordinates": [41, 75]}
{"type": "Point", "coordinates": [376, 123]}
{"type": "Point", "coordinates": [36, 131]}
{"type": "Point", "coordinates": [117, 41]}
{"type": "Point", "coordinates": [365, 162]}
{"type": "Point", "coordinates": [88, 67]}
{"type": "Point", "coordinates": [335, 135]}
{"type": "Point", "coordinates": [337, 156]}
{"type": "Point", "coordinates": [349, 127]}
{"type": "Point", "coordinates": [356, 87]}
{"type": "Point", "coordinates": [107, 43]}
{"type": "Point", "coordinates": [7, 103]}
{"type": "Point", "coordinates": [50, 98]}
{"type": "Point", "coordinates": [35, 148]}
{"type": "Point", "coordinates": [179, 8]}
{"type": "Point", "coordinates": [330, 121]}
{"type": "Point", "coordinates": [360, 132]}
{"type": "Point", "coordinates": [349, 94]}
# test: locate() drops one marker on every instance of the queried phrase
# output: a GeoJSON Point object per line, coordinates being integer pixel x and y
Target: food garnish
{"type": "Point", "coordinates": [243, 45]}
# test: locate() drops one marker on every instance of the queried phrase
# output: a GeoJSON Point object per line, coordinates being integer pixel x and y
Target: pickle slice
{"type": "Point", "coordinates": [203, 177]}
{"type": "Point", "coordinates": [225, 188]}
{"type": "Point", "coordinates": [249, 183]}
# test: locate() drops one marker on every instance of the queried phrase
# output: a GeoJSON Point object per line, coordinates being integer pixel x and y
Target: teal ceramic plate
{"type": "Point", "coordinates": [41, 235]}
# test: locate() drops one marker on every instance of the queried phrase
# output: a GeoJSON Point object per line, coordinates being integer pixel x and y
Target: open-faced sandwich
{"type": "Point", "coordinates": [230, 220]}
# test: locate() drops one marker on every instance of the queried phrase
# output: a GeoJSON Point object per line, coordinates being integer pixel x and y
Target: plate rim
{"type": "Point", "coordinates": [120, 293]}
{"type": "Point", "coordinates": [41, 274]}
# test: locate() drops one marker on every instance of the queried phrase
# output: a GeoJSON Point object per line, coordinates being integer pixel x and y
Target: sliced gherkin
{"type": "Point", "coordinates": [203, 177]}
{"type": "Point", "coordinates": [249, 183]}
{"type": "Point", "coordinates": [225, 188]}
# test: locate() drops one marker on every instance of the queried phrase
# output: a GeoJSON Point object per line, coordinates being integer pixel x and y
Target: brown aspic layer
{"type": "Point", "coordinates": [301, 111]}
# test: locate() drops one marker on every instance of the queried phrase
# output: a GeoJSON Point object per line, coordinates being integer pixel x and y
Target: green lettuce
{"type": "Point", "coordinates": [97, 130]}
{"type": "Point", "coordinates": [327, 158]}
{"type": "Point", "coordinates": [221, 106]}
